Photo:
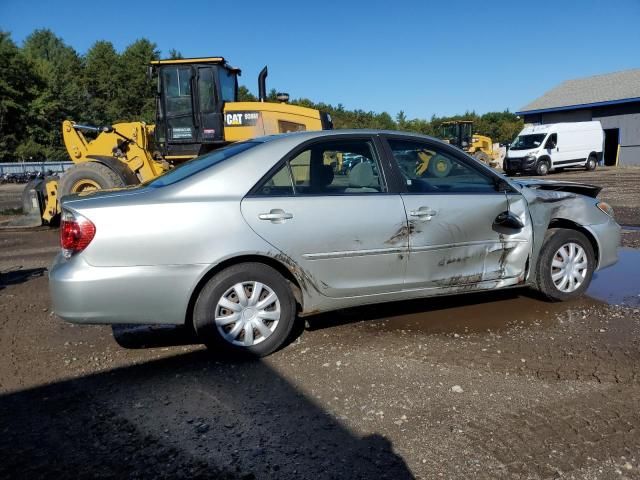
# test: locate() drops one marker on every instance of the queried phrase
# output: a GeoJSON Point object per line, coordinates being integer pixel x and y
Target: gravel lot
{"type": "Point", "coordinates": [497, 385]}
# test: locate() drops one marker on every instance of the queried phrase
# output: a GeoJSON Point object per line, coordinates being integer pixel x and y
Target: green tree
{"type": "Point", "coordinates": [19, 84]}
{"type": "Point", "coordinates": [101, 83]}
{"type": "Point", "coordinates": [244, 95]}
{"type": "Point", "coordinates": [62, 97]}
{"type": "Point", "coordinates": [135, 98]}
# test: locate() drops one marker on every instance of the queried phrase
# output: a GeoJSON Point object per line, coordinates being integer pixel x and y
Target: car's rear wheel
{"type": "Point", "coordinates": [247, 308]}
{"type": "Point", "coordinates": [565, 265]}
{"type": "Point", "coordinates": [592, 163]}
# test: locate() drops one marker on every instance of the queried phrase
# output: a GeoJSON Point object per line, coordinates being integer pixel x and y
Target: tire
{"type": "Point", "coordinates": [88, 176]}
{"type": "Point", "coordinates": [592, 163]}
{"type": "Point", "coordinates": [482, 157]}
{"type": "Point", "coordinates": [542, 167]}
{"type": "Point", "coordinates": [439, 166]}
{"type": "Point", "coordinates": [267, 333]}
{"type": "Point", "coordinates": [547, 268]}
{"type": "Point", "coordinates": [510, 173]}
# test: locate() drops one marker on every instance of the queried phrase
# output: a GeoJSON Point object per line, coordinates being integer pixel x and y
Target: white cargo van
{"type": "Point", "coordinates": [541, 149]}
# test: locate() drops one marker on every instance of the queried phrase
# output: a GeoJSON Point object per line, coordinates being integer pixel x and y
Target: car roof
{"type": "Point", "coordinates": [308, 135]}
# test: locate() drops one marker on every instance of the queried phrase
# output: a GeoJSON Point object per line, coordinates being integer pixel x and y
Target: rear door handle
{"type": "Point", "coordinates": [423, 213]}
{"type": "Point", "coordinates": [276, 215]}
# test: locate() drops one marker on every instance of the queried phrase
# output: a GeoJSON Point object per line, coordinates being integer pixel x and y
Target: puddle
{"type": "Point", "coordinates": [630, 228]}
{"type": "Point", "coordinates": [497, 313]}
{"type": "Point", "coordinates": [471, 313]}
{"type": "Point", "coordinates": [619, 284]}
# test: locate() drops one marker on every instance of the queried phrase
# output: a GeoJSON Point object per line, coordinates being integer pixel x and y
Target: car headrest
{"type": "Point", "coordinates": [362, 176]}
{"type": "Point", "coordinates": [324, 176]}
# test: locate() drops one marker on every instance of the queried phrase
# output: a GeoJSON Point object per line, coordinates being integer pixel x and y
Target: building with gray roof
{"type": "Point", "coordinates": [613, 99]}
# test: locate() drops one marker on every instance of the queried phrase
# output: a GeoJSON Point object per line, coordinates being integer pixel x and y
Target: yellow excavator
{"type": "Point", "coordinates": [197, 111]}
{"type": "Point", "coordinates": [460, 133]}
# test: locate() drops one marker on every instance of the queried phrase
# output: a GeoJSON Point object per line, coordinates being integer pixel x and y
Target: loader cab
{"type": "Point", "coordinates": [191, 94]}
{"type": "Point", "coordinates": [458, 133]}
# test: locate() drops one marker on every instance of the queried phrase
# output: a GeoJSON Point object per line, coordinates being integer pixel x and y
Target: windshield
{"type": "Point", "coordinates": [201, 163]}
{"type": "Point", "coordinates": [527, 142]}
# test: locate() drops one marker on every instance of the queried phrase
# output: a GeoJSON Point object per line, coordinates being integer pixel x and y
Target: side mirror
{"type": "Point", "coordinates": [508, 220]}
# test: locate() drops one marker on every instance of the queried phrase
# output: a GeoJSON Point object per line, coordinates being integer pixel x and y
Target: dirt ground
{"type": "Point", "coordinates": [494, 385]}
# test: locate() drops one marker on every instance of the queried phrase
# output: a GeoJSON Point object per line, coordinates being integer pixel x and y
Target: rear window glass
{"type": "Point", "coordinates": [201, 163]}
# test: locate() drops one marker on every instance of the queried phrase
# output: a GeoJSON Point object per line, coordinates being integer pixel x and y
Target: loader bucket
{"type": "Point", "coordinates": [32, 204]}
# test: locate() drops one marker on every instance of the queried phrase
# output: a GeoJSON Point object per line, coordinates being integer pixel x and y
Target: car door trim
{"type": "Point", "coordinates": [354, 253]}
{"type": "Point", "coordinates": [500, 245]}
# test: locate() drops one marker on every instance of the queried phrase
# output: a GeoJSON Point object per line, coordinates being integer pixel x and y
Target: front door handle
{"type": "Point", "coordinates": [276, 215]}
{"type": "Point", "coordinates": [423, 213]}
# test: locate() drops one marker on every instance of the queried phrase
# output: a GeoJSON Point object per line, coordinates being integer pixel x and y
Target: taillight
{"type": "Point", "coordinates": [76, 232]}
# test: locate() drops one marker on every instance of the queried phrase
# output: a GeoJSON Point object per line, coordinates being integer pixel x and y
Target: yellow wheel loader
{"type": "Point", "coordinates": [460, 133]}
{"type": "Point", "coordinates": [197, 111]}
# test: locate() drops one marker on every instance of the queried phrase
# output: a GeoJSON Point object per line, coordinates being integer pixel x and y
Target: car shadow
{"type": "Point", "coordinates": [187, 416]}
{"type": "Point", "coordinates": [19, 275]}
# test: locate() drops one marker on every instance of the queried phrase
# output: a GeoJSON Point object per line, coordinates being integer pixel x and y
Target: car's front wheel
{"type": "Point", "coordinates": [247, 308]}
{"type": "Point", "coordinates": [565, 265]}
{"type": "Point", "coordinates": [542, 168]}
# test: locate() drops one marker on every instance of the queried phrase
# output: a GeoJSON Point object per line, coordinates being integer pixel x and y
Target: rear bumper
{"type": "Point", "coordinates": [607, 236]}
{"type": "Point", "coordinates": [82, 293]}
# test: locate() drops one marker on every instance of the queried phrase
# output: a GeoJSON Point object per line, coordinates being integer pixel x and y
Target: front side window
{"type": "Point", "coordinates": [427, 169]}
{"type": "Point", "coordinates": [552, 141]}
{"type": "Point", "coordinates": [527, 142]}
{"type": "Point", "coordinates": [205, 90]}
{"type": "Point", "coordinates": [329, 168]}
{"type": "Point", "coordinates": [177, 85]}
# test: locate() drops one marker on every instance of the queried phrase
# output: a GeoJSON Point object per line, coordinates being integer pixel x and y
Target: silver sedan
{"type": "Point", "coordinates": [240, 242]}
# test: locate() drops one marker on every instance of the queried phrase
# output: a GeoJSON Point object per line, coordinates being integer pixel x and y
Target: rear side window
{"type": "Point", "coordinates": [278, 185]}
{"type": "Point", "coordinates": [201, 163]}
{"type": "Point", "coordinates": [332, 167]}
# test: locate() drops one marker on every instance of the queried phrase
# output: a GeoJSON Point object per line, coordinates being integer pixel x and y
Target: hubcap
{"type": "Point", "coordinates": [543, 168]}
{"type": "Point", "coordinates": [85, 185]}
{"type": "Point", "coordinates": [569, 267]}
{"type": "Point", "coordinates": [247, 314]}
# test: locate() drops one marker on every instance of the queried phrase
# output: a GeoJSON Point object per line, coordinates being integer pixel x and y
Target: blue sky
{"type": "Point", "coordinates": [422, 57]}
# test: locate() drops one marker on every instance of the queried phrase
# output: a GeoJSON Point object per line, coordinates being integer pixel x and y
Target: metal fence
{"type": "Point", "coordinates": [26, 167]}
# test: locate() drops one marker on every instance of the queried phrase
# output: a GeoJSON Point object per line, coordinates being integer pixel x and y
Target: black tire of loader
{"type": "Point", "coordinates": [94, 171]}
